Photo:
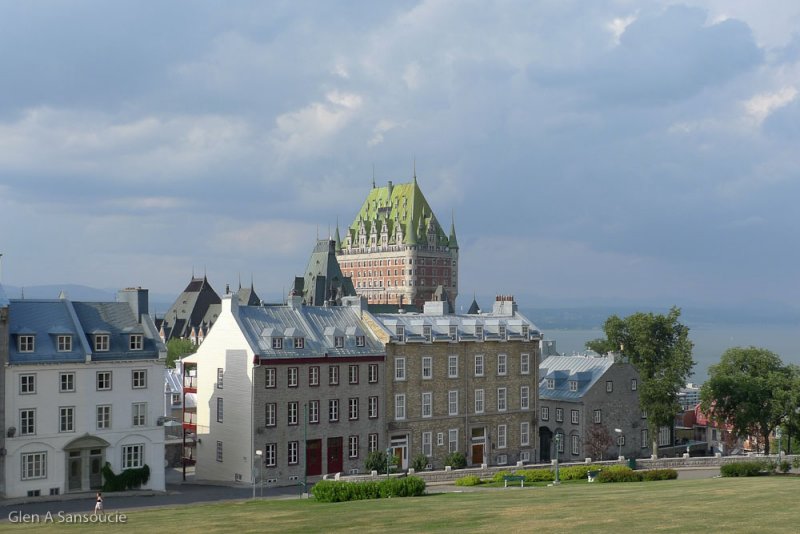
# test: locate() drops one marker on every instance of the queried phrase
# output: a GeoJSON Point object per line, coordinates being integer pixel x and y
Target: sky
{"type": "Point", "coordinates": [590, 152]}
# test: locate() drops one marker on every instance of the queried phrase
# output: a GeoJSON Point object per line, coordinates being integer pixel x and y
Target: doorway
{"type": "Point", "coordinates": [545, 440]}
{"type": "Point", "coordinates": [399, 446]}
{"type": "Point", "coordinates": [478, 442]}
{"type": "Point", "coordinates": [334, 455]}
{"type": "Point", "coordinates": [314, 457]}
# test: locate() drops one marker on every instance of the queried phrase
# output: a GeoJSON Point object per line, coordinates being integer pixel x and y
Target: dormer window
{"type": "Point", "coordinates": [299, 342]}
{"type": "Point", "coordinates": [277, 343]}
{"type": "Point", "coordinates": [26, 343]}
{"type": "Point", "coordinates": [426, 333]}
{"type": "Point", "coordinates": [573, 385]}
{"type": "Point", "coordinates": [64, 343]}
{"type": "Point", "coordinates": [551, 383]}
{"type": "Point", "coordinates": [137, 341]}
{"type": "Point", "coordinates": [338, 342]}
{"type": "Point", "coordinates": [360, 341]}
{"type": "Point", "coordinates": [453, 332]}
{"type": "Point", "coordinates": [401, 332]}
{"type": "Point", "coordinates": [502, 331]}
{"type": "Point", "coordinates": [525, 331]}
{"type": "Point", "coordinates": [479, 331]}
{"type": "Point", "coordinates": [101, 342]}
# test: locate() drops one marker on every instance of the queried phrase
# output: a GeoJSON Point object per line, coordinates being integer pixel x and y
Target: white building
{"type": "Point", "coordinates": [83, 387]}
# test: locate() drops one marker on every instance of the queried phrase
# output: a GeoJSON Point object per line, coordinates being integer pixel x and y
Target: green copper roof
{"type": "Point", "coordinates": [400, 207]}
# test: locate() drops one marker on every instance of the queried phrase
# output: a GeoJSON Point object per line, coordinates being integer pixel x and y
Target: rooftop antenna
{"type": "Point", "coordinates": [415, 169]}
{"type": "Point", "coordinates": [1, 259]}
{"type": "Point", "coordinates": [373, 176]}
{"type": "Point", "coordinates": [240, 280]}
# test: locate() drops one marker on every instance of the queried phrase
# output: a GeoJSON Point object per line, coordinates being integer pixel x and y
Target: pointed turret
{"type": "Point", "coordinates": [338, 239]}
{"type": "Point", "coordinates": [474, 309]}
{"type": "Point", "coordinates": [453, 242]}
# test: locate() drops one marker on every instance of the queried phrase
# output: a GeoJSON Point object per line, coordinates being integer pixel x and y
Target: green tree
{"type": "Point", "coordinates": [658, 346]}
{"type": "Point", "coordinates": [177, 349]}
{"type": "Point", "coordinates": [750, 389]}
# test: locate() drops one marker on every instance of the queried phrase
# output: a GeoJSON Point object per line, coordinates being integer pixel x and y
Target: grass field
{"type": "Point", "coordinates": [762, 504]}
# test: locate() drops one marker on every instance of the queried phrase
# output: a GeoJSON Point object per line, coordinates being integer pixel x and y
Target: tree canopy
{"type": "Point", "coordinates": [177, 349]}
{"type": "Point", "coordinates": [658, 346]}
{"type": "Point", "coordinates": [751, 390]}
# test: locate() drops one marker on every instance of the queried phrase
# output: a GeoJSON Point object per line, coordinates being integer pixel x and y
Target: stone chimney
{"type": "Point", "coordinates": [137, 298]}
{"type": "Point", "coordinates": [504, 305]}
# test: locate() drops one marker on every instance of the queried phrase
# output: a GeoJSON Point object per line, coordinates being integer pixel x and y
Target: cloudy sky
{"type": "Point", "coordinates": [603, 151]}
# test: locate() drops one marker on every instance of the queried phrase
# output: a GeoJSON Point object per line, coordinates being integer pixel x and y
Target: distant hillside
{"type": "Point", "coordinates": [159, 303]}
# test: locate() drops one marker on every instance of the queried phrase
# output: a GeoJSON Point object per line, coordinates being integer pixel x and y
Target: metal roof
{"type": "Point", "coordinates": [584, 370]}
{"type": "Point", "coordinates": [467, 326]}
{"type": "Point", "coordinates": [3, 298]}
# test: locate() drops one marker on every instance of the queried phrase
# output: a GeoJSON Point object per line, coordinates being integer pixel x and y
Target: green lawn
{"type": "Point", "coordinates": [762, 504]}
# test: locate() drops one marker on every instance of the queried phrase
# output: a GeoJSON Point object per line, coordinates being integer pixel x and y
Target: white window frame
{"type": "Point", "coordinates": [139, 379]}
{"type": "Point", "coordinates": [452, 366]}
{"type": "Point", "coordinates": [400, 407]}
{"type": "Point", "coordinates": [352, 374]}
{"type": "Point", "coordinates": [33, 465]}
{"type": "Point", "coordinates": [399, 369]}
{"type": "Point", "coordinates": [502, 364]}
{"type": "Point", "coordinates": [559, 415]}
{"type": "Point", "coordinates": [352, 447]}
{"type": "Point", "coordinates": [133, 456]}
{"type": "Point", "coordinates": [292, 377]}
{"type": "Point", "coordinates": [139, 414]}
{"type": "Point", "coordinates": [293, 451]}
{"type": "Point", "coordinates": [220, 409]}
{"type": "Point", "coordinates": [270, 377]}
{"type": "Point", "coordinates": [480, 405]}
{"type": "Point", "coordinates": [427, 367]}
{"type": "Point", "coordinates": [545, 413]}
{"type": "Point", "coordinates": [502, 399]}
{"type": "Point", "coordinates": [645, 438]}
{"type": "Point", "coordinates": [427, 444]}
{"type": "Point", "coordinates": [292, 413]}
{"type": "Point", "coordinates": [66, 382]}
{"type": "Point", "coordinates": [609, 386]}
{"type": "Point", "coordinates": [576, 444]}
{"type": "Point", "coordinates": [313, 412]}
{"type": "Point", "coordinates": [102, 342]}
{"type": "Point", "coordinates": [524, 434]}
{"type": "Point", "coordinates": [551, 383]}
{"type": "Point", "coordinates": [598, 416]}
{"type": "Point", "coordinates": [373, 442]}
{"type": "Point", "coordinates": [373, 373]}
{"type": "Point", "coordinates": [313, 376]}
{"type": "Point", "coordinates": [26, 343]}
{"type": "Point", "coordinates": [64, 343]}
{"type": "Point", "coordinates": [66, 418]}
{"type": "Point", "coordinates": [440, 439]}
{"type": "Point", "coordinates": [299, 342]}
{"type": "Point", "coordinates": [271, 414]}
{"type": "Point", "coordinates": [479, 365]}
{"type": "Point", "coordinates": [361, 341]}
{"type": "Point", "coordinates": [103, 413]}
{"type": "Point", "coordinates": [27, 384]}
{"type": "Point", "coordinates": [136, 342]}
{"type": "Point", "coordinates": [352, 409]}
{"type": "Point", "coordinates": [573, 385]}
{"type": "Point", "coordinates": [333, 375]}
{"type": "Point", "coordinates": [271, 455]}
{"type": "Point", "coordinates": [27, 422]}
{"type": "Point", "coordinates": [575, 417]}
{"type": "Point", "coordinates": [634, 384]}
{"type": "Point", "coordinates": [277, 343]}
{"type": "Point", "coordinates": [427, 404]}
{"type": "Point", "coordinates": [525, 364]}
{"type": "Point", "coordinates": [502, 436]}
{"type": "Point", "coordinates": [373, 407]}
{"type": "Point", "coordinates": [101, 383]}
{"type": "Point", "coordinates": [452, 440]}
{"type": "Point", "coordinates": [524, 398]}
{"type": "Point", "coordinates": [452, 402]}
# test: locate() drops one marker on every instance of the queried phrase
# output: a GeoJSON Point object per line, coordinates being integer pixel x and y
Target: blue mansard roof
{"type": "Point", "coordinates": [584, 370]}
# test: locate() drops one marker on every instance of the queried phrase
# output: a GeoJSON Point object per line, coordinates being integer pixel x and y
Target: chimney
{"type": "Point", "coordinates": [504, 305]}
{"type": "Point", "coordinates": [137, 298]}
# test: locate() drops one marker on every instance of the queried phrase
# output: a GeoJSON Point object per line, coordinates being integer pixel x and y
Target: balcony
{"type": "Point", "coordinates": [190, 384]}
{"type": "Point", "coordinates": [190, 421]}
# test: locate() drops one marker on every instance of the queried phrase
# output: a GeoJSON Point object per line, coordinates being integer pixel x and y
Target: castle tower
{"type": "Point", "coordinates": [396, 252]}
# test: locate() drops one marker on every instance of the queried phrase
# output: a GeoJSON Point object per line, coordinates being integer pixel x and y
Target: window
{"type": "Point", "coordinates": [501, 400]}
{"type": "Point", "coordinates": [502, 360]}
{"type": "Point", "coordinates": [352, 411]}
{"type": "Point", "coordinates": [291, 413]}
{"type": "Point", "coordinates": [427, 404]}
{"type": "Point", "coordinates": [664, 437]}
{"type": "Point", "coordinates": [373, 373]}
{"type": "Point", "coordinates": [399, 407]}
{"type": "Point", "coordinates": [453, 332]}
{"type": "Point", "coordinates": [479, 331]}
{"type": "Point", "coordinates": [66, 419]}
{"type": "Point", "coordinates": [353, 374]}
{"type": "Point", "coordinates": [598, 416]}
{"type": "Point", "coordinates": [103, 380]}
{"type": "Point", "coordinates": [313, 375]}
{"type": "Point", "coordinates": [551, 383]}
{"type": "Point", "coordinates": [644, 414]}
{"type": "Point", "coordinates": [576, 444]}
{"type": "Point", "coordinates": [338, 342]}
{"type": "Point", "coordinates": [478, 401]}
{"type": "Point", "coordinates": [560, 441]}
{"type": "Point", "coordinates": [270, 377]}
{"type": "Point", "coordinates": [333, 410]}
{"type": "Point", "coordinates": [133, 456]}
{"type": "Point", "coordinates": [34, 465]}
{"type": "Point", "coordinates": [373, 407]}
{"type": "Point", "coordinates": [574, 414]}
{"type": "Point", "coordinates": [277, 343]}
{"type": "Point", "coordinates": [293, 451]}
{"type": "Point", "coordinates": [400, 330]}
{"type": "Point", "coordinates": [501, 330]}
{"type": "Point", "coordinates": [271, 414]}
{"type": "Point", "coordinates": [634, 384]}
{"type": "Point", "coordinates": [360, 341]}
{"type": "Point", "coordinates": [452, 402]}
{"type": "Point", "coordinates": [66, 382]}
{"type": "Point", "coordinates": [139, 378]}
{"type": "Point", "coordinates": [452, 366]}
{"type": "Point", "coordinates": [136, 342]}
{"type": "Point", "coordinates": [291, 377]}
{"type": "Point", "coordinates": [559, 415]}
{"type": "Point", "coordinates": [353, 447]}
{"type": "Point", "coordinates": [271, 454]}
{"type": "Point", "coordinates": [479, 365]}
{"type": "Point", "coordinates": [27, 384]}
{"type": "Point", "coordinates": [313, 411]}
{"type": "Point", "coordinates": [26, 343]}
{"type": "Point", "coordinates": [373, 442]}
{"type": "Point", "coordinates": [220, 372]}
{"type": "Point", "coordinates": [27, 422]}
{"type": "Point", "coordinates": [524, 434]}
{"type": "Point", "coordinates": [104, 417]}
{"type": "Point", "coordinates": [573, 385]}
{"type": "Point", "coordinates": [426, 333]}
{"type": "Point", "coordinates": [525, 364]}
{"type": "Point", "coordinates": [427, 444]}
{"type": "Point", "coordinates": [439, 439]}
{"type": "Point", "coordinates": [333, 375]}
{"type": "Point", "coordinates": [452, 443]}
{"type": "Point", "coordinates": [545, 413]}
{"type": "Point", "coordinates": [139, 412]}
{"type": "Point", "coordinates": [645, 440]}
{"type": "Point", "coordinates": [427, 367]}
{"type": "Point", "coordinates": [101, 342]}
{"type": "Point", "coordinates": [64, 343]}
{"type": "Point", "coordinates": [299, 342]}
{"type": "Point", "coordinates": [609, 386]}
{"type": "Point", "coordinates": [219, 451]}
{"type": "Point", "coordinates": [501, 436]}
{"type": "Point", "coordinates": [219, 409]}
{"type": "Point", "coordinates": [400, 369]}
{"type": "Point", "coordinates": [524, 398]}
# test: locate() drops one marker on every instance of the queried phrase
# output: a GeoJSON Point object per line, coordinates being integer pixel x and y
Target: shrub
{"type": "Point", "coordinates": [340, 491]}
{"type": "Point", "coordinates": [785, 466]}
{"type": "Point", "coordinates": [619, 473]}
{"type": "Point", "coordinates": [469, 480]}
{"type": "Point", "coordinates": [743, 469]}
{"type": "Point", "coordinates": [128, 479]}
{"type": "Point", "coordinates": [376, 461]}
{"type": "Point", "coordinates": [537, 475]}
{"type": "Point", "coordinates": [498, 477]}
{"type": "Point", "coordinates": [456, 460]}
{"type": "Point", "coordinates": [576, 472]}
{"type": "Point", "coordinates": [796, 462]}
{"type": "Point", "coordinates": [419, 462]}
{"type": "Point", "coordinates": [659, 474]}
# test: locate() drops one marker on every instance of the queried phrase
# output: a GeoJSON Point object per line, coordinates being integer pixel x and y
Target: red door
{"type": "Point", "coordinates": [314, 457]}
{"type": "Point", "coordinates": [334, 455]}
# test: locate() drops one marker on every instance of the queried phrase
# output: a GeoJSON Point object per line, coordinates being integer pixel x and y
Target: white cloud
{"type": "Point", "coordinates": [412, 76]}
{"type": "Point", "coordinates": [618, 25]}
{"type": "Point", "coordinates": [760, 106]}
{"type": "Point", "coordinates": [383, 126]}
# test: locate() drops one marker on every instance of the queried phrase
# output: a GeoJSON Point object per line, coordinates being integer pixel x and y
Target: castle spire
{"type": "Point", "coordinates": [373, 176]}
{"type": "Point", "coordinates": [338, 239]}
{"type": "Point", "coordinates": [452, 240]}
{"type": "Point", "coordinates": [415, 170]}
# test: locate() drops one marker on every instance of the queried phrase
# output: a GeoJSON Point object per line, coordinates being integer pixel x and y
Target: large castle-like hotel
{"type": "Point", "coordinates": [396, 251]}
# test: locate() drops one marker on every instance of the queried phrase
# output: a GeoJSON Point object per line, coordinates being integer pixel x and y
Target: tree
{"type": "Point", "coordinates": [177, 349]}
{"type": "Point", "coordinates": [750, 389]}
{"type": "Point", "coordinates": [598, 440]}
{"type": "Point", "coordinates": [658, 346]}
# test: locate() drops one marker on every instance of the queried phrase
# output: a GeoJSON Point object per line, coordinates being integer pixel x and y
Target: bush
{"type": "Point", "coordinates": [576, 472]}
{"type": "Point", "coordinates": [785, 466]}
{"type": "Point", "coordinates": [419, 462]}
{"type": "Point", "coordinates": [456, 460]}
{"type": "Point", "coordinates": [340, 491]}
{"type": "Point", "coordinates": [128, 479]}
{"type": "Point", "coordinates": [537, 475]}
{"type": "Point", "coordinates": [469, 480]}
{"type": "Point", "coordinates": [498, 476]}
{"type": "Point", "coordinates": [796, 462]}
{"type": "Point", "coordinates": [619, 473]}
{"type": "Point", "coordinates": [659, 474]}
{"type": "Point", "coordinates": [743, 469]}
{"type": "Point", "coordinates": [376, 461]}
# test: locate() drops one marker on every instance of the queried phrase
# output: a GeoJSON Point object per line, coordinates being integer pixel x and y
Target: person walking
{"type": "Point", "coordinates": [98, 507]}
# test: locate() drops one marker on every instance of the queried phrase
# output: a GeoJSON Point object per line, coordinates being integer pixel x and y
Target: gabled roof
{"type": "Point", "coordinates": [247, 296]}
{"type": "Point", "coordinates": [585, 370]}
{"type": "Point", "coordinates": [323, 279]}
{"type": "Point", "coordinates": [199, 304]}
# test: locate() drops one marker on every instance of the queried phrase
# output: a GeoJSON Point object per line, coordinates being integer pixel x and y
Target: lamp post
{"type": "Point", "coordinates": [557, 481]}
{"type": "Point", "coordinates": [388, 460]}
{"type": "Point", "coordinates": [619, 442]}
{"type": "Point", "coordinates": [258, 456]}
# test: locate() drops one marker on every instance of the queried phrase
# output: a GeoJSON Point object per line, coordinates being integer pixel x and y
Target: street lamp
{"type": "Point", "coordinates": [557, 481]}
{"type": "Point", "coordinates": [619, 441]}
{"type": "Point", "coordinates": [258, 455]}
{"type": "Point", "coordinates": [388, 459]}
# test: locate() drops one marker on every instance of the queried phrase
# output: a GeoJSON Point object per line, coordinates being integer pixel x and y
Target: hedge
{"type": "Point", "coordinates": [469, 480]}
{"type": "Point", "coordinates": [751, 468]}
{"type": "Point", "coordinates": [341, 491]}
{"type": "Point", "coordinates": [128, 479]}
{"type": "Point", "coordinates": [620, 473]}
{"type": "Point", "coordinates": [531, 475]}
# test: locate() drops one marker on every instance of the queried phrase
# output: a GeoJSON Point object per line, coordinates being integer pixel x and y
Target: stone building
{"type": "Point", "coordinates": [3, 363]}
{"type": "Point", "coordinates": [581, 395]}
{"type": "Point", "coordinates": [396, 251]}
{"type": "Point", "coordinates": [463, 383]}
{"type": "Point", "coordinates": [322, 282]}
